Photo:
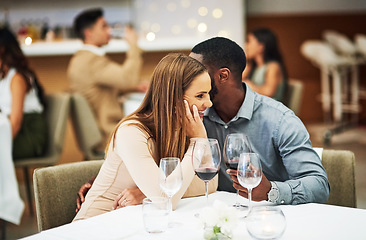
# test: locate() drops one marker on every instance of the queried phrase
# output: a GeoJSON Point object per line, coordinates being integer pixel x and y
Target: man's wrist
{"type": "Point", "coordinates": [273, 194]}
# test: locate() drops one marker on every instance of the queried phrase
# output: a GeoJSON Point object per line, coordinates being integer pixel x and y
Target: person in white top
{"type": "Point", "coordinates": [23, 126]}
{"type": "Point", "coordinates": [170, 114]}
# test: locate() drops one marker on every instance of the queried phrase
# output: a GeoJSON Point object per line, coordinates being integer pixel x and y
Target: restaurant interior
{"type": "Point", "coordinates": [176, 26]}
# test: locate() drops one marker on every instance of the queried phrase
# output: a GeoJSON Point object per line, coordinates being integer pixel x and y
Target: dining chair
{"type": "Point", "coordinates": [55, 190]}
{"type": "Point", "coordinates": [57, 112]}
{"type": "Point", "coordinates": [340, 168]}
{"type": "Point", "coordinates": [293, 96]}
{"type": "Point", "coordinates": [88, 134]}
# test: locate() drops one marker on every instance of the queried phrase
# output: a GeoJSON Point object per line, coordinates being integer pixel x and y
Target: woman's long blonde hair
{"type": "Point", "coordinates": [161, 114]}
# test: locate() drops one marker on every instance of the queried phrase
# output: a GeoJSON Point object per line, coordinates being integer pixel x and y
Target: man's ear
{"type": "Point", "coordinates": [224, 74]}
{"type": "Point", "coordinates": [87, 33]}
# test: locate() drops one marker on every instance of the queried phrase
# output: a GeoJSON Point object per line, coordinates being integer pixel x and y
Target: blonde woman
{"type": "Point", "coordinates": [168, 117]}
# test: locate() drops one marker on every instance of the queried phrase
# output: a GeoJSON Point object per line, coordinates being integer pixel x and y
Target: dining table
{"type": "Point", "coordinates": [304, 221]}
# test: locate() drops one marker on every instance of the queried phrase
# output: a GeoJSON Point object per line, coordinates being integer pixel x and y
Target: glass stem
{"type": "Point", "coordinates": [250, 199]}
{"type": "Point", "coordinates": [237, 204]}
{"type": "Point", "coordinates": [206, 191]}
{"type": "Point", "coordinates": [170, 204]}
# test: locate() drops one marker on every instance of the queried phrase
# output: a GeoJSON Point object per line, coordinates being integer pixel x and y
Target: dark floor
{"type": "Point", "coordinates": [354, 140]}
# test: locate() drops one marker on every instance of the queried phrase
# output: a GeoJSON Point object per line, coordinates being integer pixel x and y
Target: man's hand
{"type": "Point", "coordinates": [259, 193]}
{"type": "Point", "coordinates": [128, 197]}
{"type": "Point", "coordinates": [130, 35]}
{"type": "Point", "coordinates": [82, 193]}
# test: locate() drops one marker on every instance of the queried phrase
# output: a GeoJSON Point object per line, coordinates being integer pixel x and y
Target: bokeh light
{"type": "Point", "coordinates": [28, 41]}
{"type": "Point", "coordinates": [217, 13]}
{"type": "Point", "coordinates": [202, 27]}
{"type": "Point", "coordinates": [202, 11]}
{"type": "Point", "coordinates": [192, 23]}
{"type": "Point", "coordinates": [150, 36]}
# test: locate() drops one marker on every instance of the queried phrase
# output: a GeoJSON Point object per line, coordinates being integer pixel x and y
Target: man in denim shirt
{"type": "Point", "coordinates": [293, 173]}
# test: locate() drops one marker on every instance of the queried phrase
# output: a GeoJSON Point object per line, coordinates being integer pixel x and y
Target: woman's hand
{"type": "Point", "coordinates": [128, 197]}
{"type": "Point", "coordinates": [194, 123]}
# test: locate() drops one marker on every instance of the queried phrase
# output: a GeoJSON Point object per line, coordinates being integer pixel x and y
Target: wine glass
{"type": "Point", "coordinates": [206, 159]}
{"type": "Point", "coordinates": [249, 173]}
{"type": "Point", "coordinates": [170, 177]}
{"type": "Point", "coordinates": [235, 145]}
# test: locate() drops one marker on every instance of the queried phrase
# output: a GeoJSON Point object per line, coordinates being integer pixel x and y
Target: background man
{"type": "Point", "coordinates": [100, 80]}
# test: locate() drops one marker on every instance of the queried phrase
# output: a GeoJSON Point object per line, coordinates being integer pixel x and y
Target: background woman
{"type": "Point", "coordinates": [22, 126]}
{"type": "Point", "coordinates": [170, 114]}
{"type": "Point", "coordinates": [265, 72]}
{"type": "Point", "coordinates": [21, 99]}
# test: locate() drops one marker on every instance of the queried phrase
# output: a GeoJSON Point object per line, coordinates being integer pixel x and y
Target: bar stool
{"type": "Point", "coordinates": [360, 42]}
{"type": "Point", "coordinates": [346, 48]}
{"type": "Point", "coordinates": [334, 69]}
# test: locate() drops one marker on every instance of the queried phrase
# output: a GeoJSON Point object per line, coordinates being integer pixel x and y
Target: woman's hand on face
{"type": "Point", "coordinates": [194, 123]}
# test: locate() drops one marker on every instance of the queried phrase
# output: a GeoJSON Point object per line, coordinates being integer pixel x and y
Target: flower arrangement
{"type": "Point", "coordinates": [219, 221]}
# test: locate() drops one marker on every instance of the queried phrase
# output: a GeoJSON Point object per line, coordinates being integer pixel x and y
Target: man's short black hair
{"type": "Point", "coordinates": [220, 52]}
{"type": "Point", "coordinates": [85, 20]}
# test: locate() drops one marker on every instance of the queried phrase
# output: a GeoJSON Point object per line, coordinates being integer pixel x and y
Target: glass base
{"type": "Point", "coordinates": [174, 224]}
{"type": "Point", "coordinates": [240, 207]}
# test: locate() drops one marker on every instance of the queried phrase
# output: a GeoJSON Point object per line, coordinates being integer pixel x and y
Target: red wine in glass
{"type": "Point", "coordinates": [206, 159]}
{"type": "Point", "coordinates": [206, 174]}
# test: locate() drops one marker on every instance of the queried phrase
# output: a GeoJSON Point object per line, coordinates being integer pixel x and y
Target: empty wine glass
{"type": "Point", "coordinates": [170, 177]}
{"type": "Point", "coordinates": [235, 145]}
{"type": "Point", "coordinates": [206, 159]}
{"type": "Point", "coordinates": [249, 173]}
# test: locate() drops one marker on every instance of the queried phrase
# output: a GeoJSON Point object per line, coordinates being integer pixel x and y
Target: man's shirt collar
{"type": "Point", "coordinates": [94, 49]}
{"type": "Point", "coordinates": [245, 110]}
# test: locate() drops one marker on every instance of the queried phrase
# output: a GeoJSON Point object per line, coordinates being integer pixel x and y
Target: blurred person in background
{"type": "Point", "coordinates": [265, 72]}
{"type": "Point", "coordinates": [99, 79]}
{"type": "Point", "coordinates": [22, 122]}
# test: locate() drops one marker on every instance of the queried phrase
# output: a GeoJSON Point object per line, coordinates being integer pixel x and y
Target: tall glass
{"type": "Point", "coordinates": [235, 145]}
{"type": "Point", "coordinates": [170, 177]}
{"type": "Point", "coordinates": [206, 159]}
{"type": "Point", "coordinates": [249, 173]}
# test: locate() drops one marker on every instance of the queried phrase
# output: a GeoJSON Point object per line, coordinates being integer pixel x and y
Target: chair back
{"type": "Point", "coordinates": [57, 112]}
{"type": "Point", "coordinates": [88, 134]}
{"type": "Point", "coordinates": [55, 190]}
{"type": "Point", "coordinates": [340, 168]}
{"type": "Point", "coordinates": [293, 96]}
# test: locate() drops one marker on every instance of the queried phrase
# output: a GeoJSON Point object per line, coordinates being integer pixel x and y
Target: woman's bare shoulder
{"type": "Point", "coordinates": [274, 65]}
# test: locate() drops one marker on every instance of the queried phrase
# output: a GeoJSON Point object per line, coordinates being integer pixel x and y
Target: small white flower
{"type": "Point", "coordinates": [219, 221]}
{"type": "Point", "coordinates": [209, 216]}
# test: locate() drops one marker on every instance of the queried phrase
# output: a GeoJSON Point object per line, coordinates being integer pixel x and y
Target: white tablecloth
{"type": "Point", "coordinates": [11, 205]}
{"type": "Point", "coordinates": [307, 221]}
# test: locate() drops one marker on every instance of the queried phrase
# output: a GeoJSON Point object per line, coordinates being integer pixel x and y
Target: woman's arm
{"type": "Point", "coordinates": [18, 88]}
{"type": "Point", "coordinates": [133, 146]}
{"type": "Point", "coordinates": [273, 78]}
